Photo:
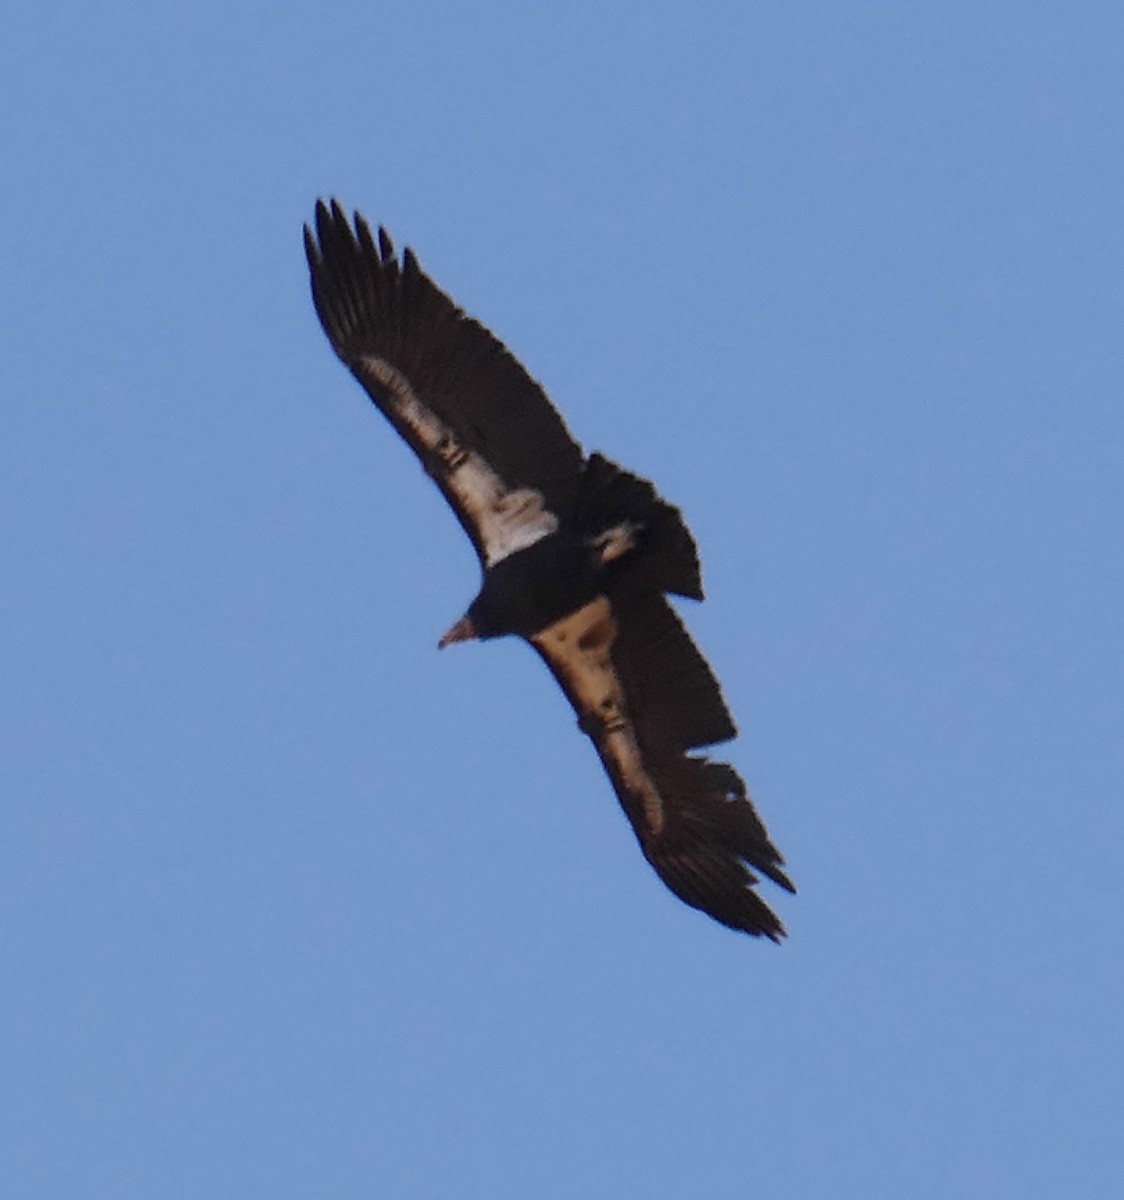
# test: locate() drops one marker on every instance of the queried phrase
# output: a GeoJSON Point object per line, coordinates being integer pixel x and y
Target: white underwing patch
{"type": "Point", "coordinates": [579, 647]}
{"type": "Point", "coordinates": [506, 519]}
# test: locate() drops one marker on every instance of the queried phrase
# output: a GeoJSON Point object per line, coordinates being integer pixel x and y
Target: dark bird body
{"type": "Point", "coordinates": [531, 589]}
{"type": "Point", "coordinates": [577, 556]}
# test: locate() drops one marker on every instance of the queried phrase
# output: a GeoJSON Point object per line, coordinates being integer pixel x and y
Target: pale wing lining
{"type": "Point", "coordinates": [506, 519]}
{"type": "Point", "coordinates": [579, 648]}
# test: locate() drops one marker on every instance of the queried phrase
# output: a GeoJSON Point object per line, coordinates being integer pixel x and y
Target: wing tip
{"type": "Point", "coordinates": [731, 901]}
{"type": "Point", "coordinates": [333, 225]}
{"type": "Point", "coordinates": [713, 845]}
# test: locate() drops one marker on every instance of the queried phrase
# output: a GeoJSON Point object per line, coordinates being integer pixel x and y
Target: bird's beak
{"type": "Point", "coordinates": [462, 631]}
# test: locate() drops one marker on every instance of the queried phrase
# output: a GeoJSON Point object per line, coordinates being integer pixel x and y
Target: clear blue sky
{"type": "Point", "coordinates": [292, 905]}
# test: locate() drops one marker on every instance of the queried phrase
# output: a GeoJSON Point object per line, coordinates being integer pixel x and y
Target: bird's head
{"type": "Point", "coordinates": [463, 631]}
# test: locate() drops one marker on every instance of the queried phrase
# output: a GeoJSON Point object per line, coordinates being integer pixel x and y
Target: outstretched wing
{"type": "Point", "coordinates": [482, 427]}
{"type": "Point", "coordinates": [645, 696]}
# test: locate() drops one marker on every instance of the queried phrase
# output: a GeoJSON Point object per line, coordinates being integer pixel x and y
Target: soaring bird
{"type": "Point", "coordinates": [577, 556]}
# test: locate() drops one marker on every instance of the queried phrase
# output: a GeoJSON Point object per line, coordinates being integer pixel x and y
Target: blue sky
{"type": "Point", "coordinates": [292, 905]}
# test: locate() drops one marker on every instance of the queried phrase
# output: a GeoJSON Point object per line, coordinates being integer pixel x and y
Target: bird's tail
{"type": "Point", "coordinates": [664, 557]}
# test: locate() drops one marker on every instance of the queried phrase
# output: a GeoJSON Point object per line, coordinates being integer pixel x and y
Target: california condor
{"type": "Point", "coordinates": [577, 555]}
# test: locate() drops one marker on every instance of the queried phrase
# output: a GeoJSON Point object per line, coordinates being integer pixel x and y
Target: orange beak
{"type": "Point", "coordinates": [462, 631]}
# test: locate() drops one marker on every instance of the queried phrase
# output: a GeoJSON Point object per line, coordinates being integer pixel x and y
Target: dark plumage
{"type": "Point", "coordinates": [577, 555]}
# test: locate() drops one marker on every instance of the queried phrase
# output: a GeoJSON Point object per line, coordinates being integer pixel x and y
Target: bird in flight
{"type": "Point", "coordinates": [577, 557]}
